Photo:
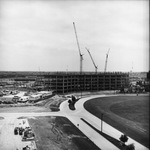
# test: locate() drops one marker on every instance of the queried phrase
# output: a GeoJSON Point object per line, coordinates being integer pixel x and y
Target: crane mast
{"type": "Point", "coordinates": [92, 60]}
{"type": "Point", "coordinates": [81, 55]}
{"type": "Point", "coordinates": [106, 60]}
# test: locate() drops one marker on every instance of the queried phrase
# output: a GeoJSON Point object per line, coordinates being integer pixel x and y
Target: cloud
{"type": "Point", "coordinates": [43, 32]}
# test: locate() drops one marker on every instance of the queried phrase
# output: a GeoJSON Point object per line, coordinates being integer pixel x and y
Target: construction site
{"type": "Point", "coordinates": [74, 75]}
{"type": "Point", "coordinates": [67, 82]}
{"type": "Point", "coordinates": [42, 110]}
{"type": "Point", "coordinates": [62, 82]}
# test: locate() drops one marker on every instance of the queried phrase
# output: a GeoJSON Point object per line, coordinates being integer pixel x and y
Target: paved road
{"type": "Point", "coordinates": [96, 122]}
{"type": "Point", "coordinates": [7, 140]}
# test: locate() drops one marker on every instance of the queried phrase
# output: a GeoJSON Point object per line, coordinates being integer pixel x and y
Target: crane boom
{"type": "Point", "coordinates": [81, 55]}
{"type": "Point", "coordinates": [77, 38]}
{"type": "Point", "coordinates": [106, 60]}
{"type": "Point", "coordinates": [92, 60]}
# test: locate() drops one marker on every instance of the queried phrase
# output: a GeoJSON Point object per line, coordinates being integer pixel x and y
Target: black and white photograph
{"type": "Point", "coordinates": [74, 75]}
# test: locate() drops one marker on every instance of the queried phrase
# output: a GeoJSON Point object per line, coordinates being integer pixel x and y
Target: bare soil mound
{"type": "Point", "coordinates": [58, 133]}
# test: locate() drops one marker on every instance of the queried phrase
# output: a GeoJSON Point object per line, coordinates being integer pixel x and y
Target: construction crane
{"type": "Point", "coordinates": [81, 55]}
{"type": "Point", "coordinates": [106, 60]}
{"type": "Point", "coordinates": [96, 67]}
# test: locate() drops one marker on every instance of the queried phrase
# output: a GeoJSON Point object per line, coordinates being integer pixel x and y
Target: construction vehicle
{"type": "Point", "coordinates": [18, 130]}
{"type": "Point", "coordinates": [105, 69]}
{"type": "Point", "coordinates": [96, 67]}
{"type": "Point", "coordinates": [29, 146]}
{"type": "Point", "coordinates": [81, 55]}
{"type": "Point", "coordinates": [21, 130]}
{"type": "Point", "coordinates": [28, 135]}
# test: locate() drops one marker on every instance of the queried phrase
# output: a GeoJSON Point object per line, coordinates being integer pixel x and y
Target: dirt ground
{"type": "Point", "coordinates": [50, 104]}
{"type": "Point", "coordinates": [24, 109]}
{"type": "Point", "coordinates": [129, 114]}
{"type": "Point", "coordinates": [58, 133]}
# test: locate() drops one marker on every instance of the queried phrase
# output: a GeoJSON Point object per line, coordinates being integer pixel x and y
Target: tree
{"type": "Point", "coordinates": [130, 147]}
{"type": "Point", "coordinates": [123, 139]}
{"type": "Point", "coordinates": [73, 98]}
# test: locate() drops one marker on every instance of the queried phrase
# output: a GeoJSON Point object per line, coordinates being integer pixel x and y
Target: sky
{"type": "Point", "coordinates": [38, 35]}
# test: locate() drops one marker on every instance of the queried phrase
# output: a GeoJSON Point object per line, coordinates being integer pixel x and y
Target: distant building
{"type": "Point", "coordinates": [148, 75]}
{"type": "Point", "coordinates": [138, 76]}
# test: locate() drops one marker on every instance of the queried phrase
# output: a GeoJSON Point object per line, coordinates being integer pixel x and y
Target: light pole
{"type": "Point", "coordinates": [102, 122]}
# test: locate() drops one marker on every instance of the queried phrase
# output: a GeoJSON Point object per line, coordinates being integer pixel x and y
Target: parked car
{"type": "Point", "coordinates": [16, 130]}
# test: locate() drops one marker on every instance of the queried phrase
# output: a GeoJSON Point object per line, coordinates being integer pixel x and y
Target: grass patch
{"type": "Point", "coordinates": [133, 108]}
{"type": "Point", "coordinates": [129, 114]}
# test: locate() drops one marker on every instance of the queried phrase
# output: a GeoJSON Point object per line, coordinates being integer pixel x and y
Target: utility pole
{"type": "Point", "coordinates": [96, 67]}
{"type": "Point", "coordinates": [101, 122]}
{"type": "Point", "coordinates": [81, 55]}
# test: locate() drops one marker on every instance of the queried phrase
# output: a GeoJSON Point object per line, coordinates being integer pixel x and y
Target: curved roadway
{"type": "Point", "coordinates": [80, 112]}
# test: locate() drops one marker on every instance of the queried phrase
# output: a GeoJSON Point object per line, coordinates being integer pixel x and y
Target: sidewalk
{"type": "Point", "coordinates": [75, 117]}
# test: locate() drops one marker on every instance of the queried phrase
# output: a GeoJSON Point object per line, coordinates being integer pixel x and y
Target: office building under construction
{"type": "Point", "coordinates": [62, 82]}
{"type": "Point", "coordinates": [66, 82]}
